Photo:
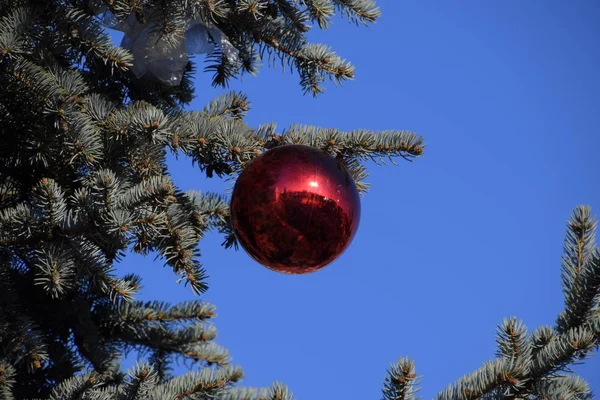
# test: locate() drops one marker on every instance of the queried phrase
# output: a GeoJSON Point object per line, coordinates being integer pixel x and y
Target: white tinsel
{"type": "Point", "coordinates": [153, 57]}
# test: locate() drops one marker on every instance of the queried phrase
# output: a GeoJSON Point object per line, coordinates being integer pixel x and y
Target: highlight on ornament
{"type": "Point", "coordinates": [295, 209]}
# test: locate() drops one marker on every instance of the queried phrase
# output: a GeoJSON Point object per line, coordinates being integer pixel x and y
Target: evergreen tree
{"type": "Point", "coordinates": [83, 178]}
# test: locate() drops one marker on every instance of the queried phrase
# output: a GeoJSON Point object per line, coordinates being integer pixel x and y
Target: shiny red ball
{"type": "Point", "coordinates": [295, 209]}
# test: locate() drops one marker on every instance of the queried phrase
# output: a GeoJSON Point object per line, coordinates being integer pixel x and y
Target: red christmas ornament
{"type": "Point", "coordinates": [295, 209]}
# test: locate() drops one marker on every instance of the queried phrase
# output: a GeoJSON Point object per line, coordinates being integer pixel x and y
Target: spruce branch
{"type": "Point", "coordinates": [35, 79]}
{"type": "Point", "coordinates": [70, 85]}
{"type": "Point", "coordinates": [321, 11]}
{"type": "Point", "coordinates": [401, 382]}
{"type": "Point", "coordinates": [7, 380]}
{"type": "Point", "coordinates": [211, 211]}
{"type": "Point", "coordinates": [49, 203]}
{"type": "Point", "coordinates": [23, 345]}
{"type": "Point", "coordinates": [64, 361]}
{"type": "Point", "coordinates": [90, 38]}
{"type": "Point", "coordinates": [8, 191]}
{"type": "Point", "coordinates": [279, 391]}
{"type": "Point", "coordinates": [211, 206]}
{"type": "Point", "coordinates": [178, 249]}
{"type": "Point", "coordinates": [55, 270]}
{"type": "Point", "coordinates": [18, 225]}
{"type": "Point", "coordinates": [567, 387]}
{"type": "Point", "coordinates": [142, 380]}
{"type": "Point", "coordinates": [224, 145]}
{"type": "Point", "coordinates": [96, 349]}
{"type": "Point", "coordinates": [531, 365]}
{"type": "Point", "coordinates": [541, 337]}
{"type": "Point", "coordinates": [163, 312]}
{"type": "Point", "coordinates": [358, 172]}
{"type": "Point", "coordinates": [314, 62]}
{"type": "Point", "coordinates": [99, 109]}
{"type": "Point", "coordinates": [566, 348]}
{"type": "Point", "coordinates": [92, 262]}
{"type": "Point", "coordinates": [233, 104]}
{"type": "Point", "coordinates": [208, 383]}
{"type": "Point", "coordinates": [221, 67]}
{"type": "Point", "coordinates": [154, 192]}
{"type": "Point", "coordinates": [519, 376]}
{"type": "Point", "coordinates": [352, 147]}
{"type": "Point", "coordinates": [14, 27]}
{"type": "Point", "coordinates": [160, 328]}
{"type": "Point", "coordinates": [580, 269]}
{"type": "Point", "coordinates": [296, 17]}
{"type": "Point", "coordinates": [160, 360]}
{"type": "Point", "coordinates": [179, 330]}
{"type": "Point", "coordinates": [514, 342]}
{"type": "Point", "coordinates": [77, 387]}
{"type": "Point", "coordinates": [360, 144]}
{"type": "Point", "coordinates": [359, 11]}
{"type": "Point", "coordinates": [253, 8]}
{"type": "Point", "coordinates": [172, 17]}
{"type": "Point", "coordinates": [84, 142]}
{"type": "Point", "coordinates": [495, 376]}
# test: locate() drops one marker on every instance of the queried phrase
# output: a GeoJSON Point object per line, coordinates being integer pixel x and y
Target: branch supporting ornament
{"type": "Point", "coordinates": [154, 57]}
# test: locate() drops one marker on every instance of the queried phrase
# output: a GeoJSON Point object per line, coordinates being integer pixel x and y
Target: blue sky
{"type": "Point", "coordinates": [507, 96]}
